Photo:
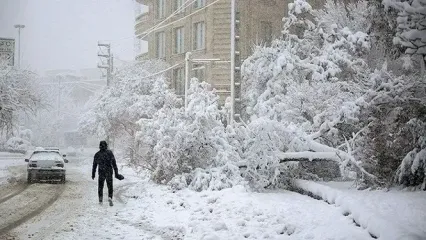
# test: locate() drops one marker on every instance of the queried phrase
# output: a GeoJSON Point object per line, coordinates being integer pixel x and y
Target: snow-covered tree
{"type": "Point", "coordinates": [309, 85]}
{"type": "Point", "coordinates": [393, 116]}
{"type": "Point", "coordinates": [136, 93]}
{"type": "Point", "coordinates": [18, 94]}
{"type": "Point", "coordinates": [189, 147]}
{"type": "Point", "coordinates": [411, 27]}
{"type": "Point", "coordinates": [59, 112]}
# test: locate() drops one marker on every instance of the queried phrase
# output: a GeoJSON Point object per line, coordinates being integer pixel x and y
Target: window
{"type": "Point", "coordinates": [161, 44]}
{"type": "Point", "coordinates": [266, 32]}
{"type": "Point", "coordinates": [199, 3]}
{"type": "Point", "coordinates": [178, 5]}
{"type": "Point", "coordinates": [199, 35]}
{"type": "Point", "coordinates": [179, 81]}
{"type": "Point", "coordinates": [161, 8]}
{"type": "Point", "coordinates": [199, 71]}
{"type": "Point", "coordinates": [179, 40]}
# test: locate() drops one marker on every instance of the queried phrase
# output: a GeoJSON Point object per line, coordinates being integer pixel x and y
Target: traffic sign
{"type": "Point", "coordinates": [7, 50]}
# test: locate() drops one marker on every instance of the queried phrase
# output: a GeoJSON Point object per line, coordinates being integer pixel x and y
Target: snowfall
{"type": "Point", "coordinates": [145, 210]}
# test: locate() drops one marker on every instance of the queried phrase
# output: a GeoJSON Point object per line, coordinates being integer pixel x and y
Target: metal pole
{"type": "Point", "coordinates": [19, 47]}
{"type": "Point", "coordinates": [19, 26]}
{"type": "Point", "coordinates": [187, 76]}
{"type": "Point", "coordinates": [59, 95]}
{"type": "Point", "coordinates": [232, 61]}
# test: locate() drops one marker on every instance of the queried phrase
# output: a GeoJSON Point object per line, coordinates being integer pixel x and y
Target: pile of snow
{"type": "Point", "coordinates": [17, 144]}
{"type": "Point", "coordinates": [12, 167]}
{"type": "Point", "coordinates": [386, 225]}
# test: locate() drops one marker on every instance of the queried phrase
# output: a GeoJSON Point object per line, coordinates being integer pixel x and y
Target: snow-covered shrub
{"type": "Point", "coordinates": [180, 141]}
{"type": "Point", "coordinates": [410, 27]}
{"type": "Point", "coordinates": [17, 144]}
{"type": "Point", "coordinates": [25, 134]}
{"type": "Point", "coordinates": [412, 171]}
{"type": "Point", "coordinates": [264, 139]}
{"type": "Point", "coordinates": [393, 112]}
{"type": "Point", "coordinates": [212, 179]}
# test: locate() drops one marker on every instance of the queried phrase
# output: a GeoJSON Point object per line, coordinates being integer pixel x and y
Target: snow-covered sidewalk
{"type": "Point", "coordinates": [388, 215]}
{"type": "Point", "coordinates": [144, 210]}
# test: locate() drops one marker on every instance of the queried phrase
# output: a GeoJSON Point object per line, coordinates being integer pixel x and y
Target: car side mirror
{"type": "Point", "coordinates": [27, 160]}
{"type": "Point", "coordinates": [65, 160]}
{"type": "Point", "coordinates": [64, 155]}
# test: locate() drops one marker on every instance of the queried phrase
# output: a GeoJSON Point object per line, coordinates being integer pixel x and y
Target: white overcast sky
{"type": "Point", "coordinates": [63, 34]}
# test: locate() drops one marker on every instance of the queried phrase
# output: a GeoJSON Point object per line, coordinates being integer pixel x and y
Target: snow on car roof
{"type": "Point", "coordinates": [46, 155]}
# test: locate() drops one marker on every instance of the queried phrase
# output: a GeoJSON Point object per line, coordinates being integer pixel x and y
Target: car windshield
{"type": "Point", "coordinates": [39, 156]}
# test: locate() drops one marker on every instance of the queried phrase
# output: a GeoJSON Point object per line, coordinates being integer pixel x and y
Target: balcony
{"type": "Point", "coordinates": [142, 56]}
{"type": "Point", "coordinates": [144, 2]}
{"type": "Point", "coordinates": [143, 22]}
{"type": "Point", "coordinates": [143, 17]}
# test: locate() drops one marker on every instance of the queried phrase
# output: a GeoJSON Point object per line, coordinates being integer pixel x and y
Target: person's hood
{"type": "Point", "coordinates": [103, 145]}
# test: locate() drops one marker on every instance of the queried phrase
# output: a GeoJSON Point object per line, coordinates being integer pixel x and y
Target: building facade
{"type": "Point", "coordinates": [203, 27]}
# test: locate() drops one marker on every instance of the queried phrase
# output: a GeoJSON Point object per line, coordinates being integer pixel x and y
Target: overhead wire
{"type": "Point", "coordinates": [158, 73]}
{"type": "Point", "coordinates": [158, 26]}
{"type": "Point", "coordinates": [181, 8]}
{"type": "Point", "coordinates": [182, 18]}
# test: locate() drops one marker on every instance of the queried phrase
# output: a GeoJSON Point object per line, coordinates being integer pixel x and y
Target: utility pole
{"type": "Point", "coordinates": [235, 64]}
{"type": "Point", "coordinates": [188, 65]}
{"type": "Point", "coordinates": [19, 27]}
{"type": "Point", "coordinates": [106, 47]}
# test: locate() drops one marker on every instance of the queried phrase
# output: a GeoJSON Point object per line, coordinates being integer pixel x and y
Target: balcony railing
{"type": "Point", "coordinates": [143, 17]}
{"type": "Point", "coordinates": [142, 56]}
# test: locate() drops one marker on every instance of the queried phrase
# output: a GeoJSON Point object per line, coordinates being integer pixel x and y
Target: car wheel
{"type": "Point", "coordinates": [63, 179]}
{"type": "Point", "coordinates": [29, 179]}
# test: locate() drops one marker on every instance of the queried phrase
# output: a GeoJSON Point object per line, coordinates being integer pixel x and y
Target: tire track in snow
{"type": "Point", "coordinates": [8, 226]}
{"type": "Point", "coordinates": [21, 188]}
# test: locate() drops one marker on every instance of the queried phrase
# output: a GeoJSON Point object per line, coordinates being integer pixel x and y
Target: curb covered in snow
{"type": "Point", "coordinates": [376, 225]}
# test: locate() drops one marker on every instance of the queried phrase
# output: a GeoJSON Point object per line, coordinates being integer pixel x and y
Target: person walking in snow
{"type": "Point", "coordinates": [104, 160]}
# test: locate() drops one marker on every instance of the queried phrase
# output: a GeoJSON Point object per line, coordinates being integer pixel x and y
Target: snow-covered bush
{"type": "Point", "coordinates": [180, 141]}
{"type": "Point", "coordinates": [412, 171]}
{"type": "Point", "coordinates": [263, 140]}
{"type": "Point", "coordinates": [391, 112]}
{"type": "Point", "coordinates": [410, 27]}
{"type": "Point", "coordinates": [17, 144]}
{"type": "Point", "coordinates": [212, 179]}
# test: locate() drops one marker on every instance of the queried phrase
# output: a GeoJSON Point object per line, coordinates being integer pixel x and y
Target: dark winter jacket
{"type": "Point", "coordinates": [105, 159]}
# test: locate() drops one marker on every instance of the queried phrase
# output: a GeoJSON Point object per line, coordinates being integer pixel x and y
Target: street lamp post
{"type": "Point", "coordinates": [19, 26]}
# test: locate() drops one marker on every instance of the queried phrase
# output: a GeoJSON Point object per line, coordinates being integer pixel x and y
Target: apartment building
{"type": "Point", "coordinates": [203, 27]}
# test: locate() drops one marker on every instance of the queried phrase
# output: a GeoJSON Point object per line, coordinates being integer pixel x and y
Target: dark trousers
{"type": "Point", "coordinates": [101, 181]}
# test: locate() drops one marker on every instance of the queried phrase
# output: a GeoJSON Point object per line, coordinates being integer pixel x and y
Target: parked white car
{"type": "Point", "coordinates": [46, 165]}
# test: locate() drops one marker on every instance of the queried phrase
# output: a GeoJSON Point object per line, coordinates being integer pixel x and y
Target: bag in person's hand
{"type": "Point", "coordinates": [119, 177]}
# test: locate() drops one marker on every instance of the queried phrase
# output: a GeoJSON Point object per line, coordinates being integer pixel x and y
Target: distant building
{"type": "Point", "coordinates": [204, 28]}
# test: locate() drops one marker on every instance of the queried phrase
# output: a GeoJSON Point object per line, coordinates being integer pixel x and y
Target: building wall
{"type": "Point", "coordinates": [217, 18]}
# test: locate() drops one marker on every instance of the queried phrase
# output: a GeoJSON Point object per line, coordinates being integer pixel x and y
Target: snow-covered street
{"type": "Point", "coordinates": [213, 120]}
{"type": "Point", "coordinates": [144, 210]}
